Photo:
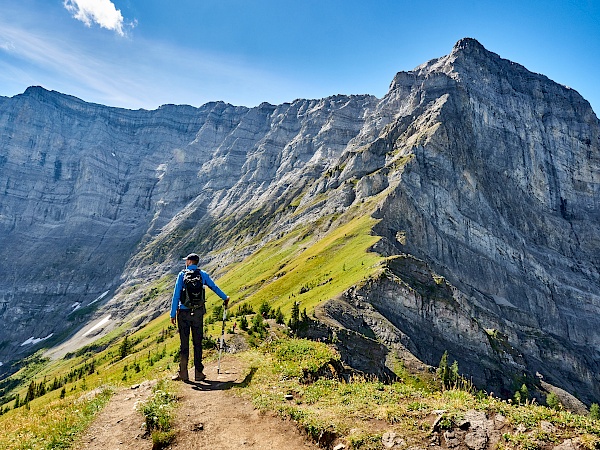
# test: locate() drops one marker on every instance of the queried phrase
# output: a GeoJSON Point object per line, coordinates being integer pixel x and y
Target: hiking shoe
{"type": "Point", "coordinates": [200, 377]}
{"type": "Point", "coordinates": [178, 378]}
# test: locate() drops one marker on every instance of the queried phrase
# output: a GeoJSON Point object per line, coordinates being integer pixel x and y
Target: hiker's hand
{"type": "Point", "coordinates": [173, 320]}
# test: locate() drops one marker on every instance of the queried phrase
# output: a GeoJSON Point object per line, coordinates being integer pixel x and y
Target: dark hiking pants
{"type": "Point", "coordinates": [186, 322]}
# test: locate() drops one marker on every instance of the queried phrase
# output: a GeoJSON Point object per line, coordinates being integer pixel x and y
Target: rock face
{"type": "Point", "coordinates": [502, 199]}
{"type": "Point", "coordinates": [490, 176]}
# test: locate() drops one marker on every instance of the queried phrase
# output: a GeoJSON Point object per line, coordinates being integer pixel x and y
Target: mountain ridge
{"type": "Point", "coordinates": [482, 173]}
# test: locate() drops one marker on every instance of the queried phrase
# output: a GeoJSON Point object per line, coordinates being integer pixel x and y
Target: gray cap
{"type": "Point", "coordinates": [192, 257]}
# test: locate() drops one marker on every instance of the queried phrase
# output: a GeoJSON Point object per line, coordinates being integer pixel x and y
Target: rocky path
{"type": "Point", "coordinates": [208, 417]}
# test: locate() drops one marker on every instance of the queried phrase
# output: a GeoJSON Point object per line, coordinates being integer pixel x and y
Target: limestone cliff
{"type": "Point", "coordinates": [501, 198]}
{"type": "Point", "coordinates": [490, 182]}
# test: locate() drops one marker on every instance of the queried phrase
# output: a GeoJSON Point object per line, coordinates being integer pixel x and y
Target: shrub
{"type": "Point", "coordinates": [244, 323]}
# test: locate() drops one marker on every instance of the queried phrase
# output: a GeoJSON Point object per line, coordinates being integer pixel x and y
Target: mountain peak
{"type": "Point", "coordinates": [41, 93]}
{"type": "Point", "coordinates": [468, 44]}
{"type": "Point", "coordinates": [469, 50]}
{"type": "Point", "coordinates": [35, 90]}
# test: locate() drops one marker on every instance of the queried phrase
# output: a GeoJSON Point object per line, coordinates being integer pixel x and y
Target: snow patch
{"type": "Point", "coordinates": [1, 364]}
{"type": "Point", "coordinates": [100, 297]}
{"type": "Point", "coordinates": [98, 325]}
{"type": "Point", "coordinates": [33, 341]}
{"type": "Point", "coordinates": [160, 171]}
{"type": "Point", "coordinates": [76, 306]}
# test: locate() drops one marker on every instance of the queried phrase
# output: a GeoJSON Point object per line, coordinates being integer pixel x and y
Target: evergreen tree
{"type": "Point", "coordinates": [294, 321]}
{"type": "Point", "coordinates": [124, 348]}
{"type": "Point", "coordinates": [41, 390]}
{"type": "Point", "coordinates": [30, 392]}
{"type": "Point", "coordinates": [524, 393]}
{"type": "Point", "coordinates": [244, 323]}
{"type": "Point", "coordinates": [63, 392]}
{"type": "Point", "coordinates": [595, 411]}
{"type": "Point", "coordinates": [243, 310]}
{"type": "Point", "coordinates": [17, 402]}
{"type": "Point", "coordinates": [217, 313]}
{"type": "Point", "coordinates": [304, 317]}
{"type": "Point", "coordinates": [517, 397]}
{"type": "Point", "coordinates": [444, 371]}
{"type": "Point", "coordinates": [265, 310]}
{"type": "Point", "coordinates": [454, 376]}
{"type": "Point", "coordinates": [258, 326]}
{"type": "Point", "coordinates": [279, 317]}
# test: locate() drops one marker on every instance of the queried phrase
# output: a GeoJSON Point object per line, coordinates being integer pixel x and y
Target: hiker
{"type": "Point", "coordinates": [187, 310]}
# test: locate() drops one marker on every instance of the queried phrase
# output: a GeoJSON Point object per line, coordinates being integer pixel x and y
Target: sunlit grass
{"type": "Point", "coordinates": [359, 410]}
{"type": "Point", "coordinates": [296, 268]}
{"type": "Point", "coordinates": [49, 424]}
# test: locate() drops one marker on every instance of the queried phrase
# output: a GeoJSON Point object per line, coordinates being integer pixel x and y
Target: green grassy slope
{"type": "Point", "coordinates": [298, 267]}
{"type": "Point", "coordinates": [304, 266]}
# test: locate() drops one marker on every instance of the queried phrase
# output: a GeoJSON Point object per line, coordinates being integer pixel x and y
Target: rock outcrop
{"type": "Point", "coordinates": [490, 179]}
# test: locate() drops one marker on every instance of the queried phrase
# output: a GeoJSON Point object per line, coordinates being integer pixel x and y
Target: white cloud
{"type": "Point", "coordinates": [102, 12]}
{"type": "Point", "coordinates": [59, 63]}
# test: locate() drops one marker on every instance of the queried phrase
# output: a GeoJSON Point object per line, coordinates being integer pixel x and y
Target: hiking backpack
{"type": "Point", "coordinates": [192, 295]}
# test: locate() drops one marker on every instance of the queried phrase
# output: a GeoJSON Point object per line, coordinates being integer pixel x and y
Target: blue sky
{"type": "Point", "coordinates": [144, 53]}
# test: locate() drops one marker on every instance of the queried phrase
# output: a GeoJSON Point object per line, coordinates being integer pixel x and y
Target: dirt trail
{"type": "Point", "coordinates": [208, 416]}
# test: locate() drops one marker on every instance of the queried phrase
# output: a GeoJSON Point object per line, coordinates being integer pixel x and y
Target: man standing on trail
{"type": "Point", "coordinates": [187, 311]}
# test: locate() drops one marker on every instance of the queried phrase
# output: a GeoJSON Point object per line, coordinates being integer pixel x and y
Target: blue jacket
{"type": "Point", "coordinates": [176, 303]}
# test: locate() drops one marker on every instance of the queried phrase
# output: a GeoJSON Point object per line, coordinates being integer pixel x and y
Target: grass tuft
{"type": "Point", "coordinates": [157, 411]}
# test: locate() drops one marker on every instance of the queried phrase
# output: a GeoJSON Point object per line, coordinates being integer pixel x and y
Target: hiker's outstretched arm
{"type": "Point", "coordinates": [207, 280]}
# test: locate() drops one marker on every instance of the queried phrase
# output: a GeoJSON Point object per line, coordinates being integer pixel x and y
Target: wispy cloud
{"type": "Point", "coordinates": [101, 12]}
{"type": "Point", "coordinates": [132, 73]}
{"type": "Point", "coordinates": [72, 66]}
